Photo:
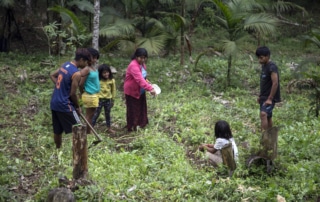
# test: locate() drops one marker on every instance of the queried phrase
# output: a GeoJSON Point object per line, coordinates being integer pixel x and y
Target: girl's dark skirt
{"type": "Point", "coordinates": [136, 112]}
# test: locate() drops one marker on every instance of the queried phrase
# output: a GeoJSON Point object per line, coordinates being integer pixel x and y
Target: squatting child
{"type": "Point", "coordinates": [224, 137]}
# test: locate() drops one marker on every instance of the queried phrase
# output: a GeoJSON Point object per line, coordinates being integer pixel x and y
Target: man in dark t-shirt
{"type": "Point", "coordinates": [64, 103]}
{"type": "Point", "coordinates": [269, 87]}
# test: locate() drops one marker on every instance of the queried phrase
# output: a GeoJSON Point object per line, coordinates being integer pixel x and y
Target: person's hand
{"type": "Point", "coordinates": [78, 110]}
{"type": "Point", "coordinates": [201, 148]}
{"type": "Point", "coordinates": [153, 92]}
{"type": "Point", "coordinates": [268, 102]}
{"type": "Point", "coordinates": [111, 103]}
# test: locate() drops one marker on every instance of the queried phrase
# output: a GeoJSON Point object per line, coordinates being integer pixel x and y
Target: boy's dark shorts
{"type": "Point", "coordinates": [266, 108]}
{"type": "Point", "coordinates": [63, 121]}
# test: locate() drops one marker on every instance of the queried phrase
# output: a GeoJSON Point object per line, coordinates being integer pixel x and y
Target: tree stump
{"type": "Point", "coordinates": [269, 142]}
{"type": "Point", "coordinates": [269, 150]}
{"type": "Point", "coordinates": [80, 152]}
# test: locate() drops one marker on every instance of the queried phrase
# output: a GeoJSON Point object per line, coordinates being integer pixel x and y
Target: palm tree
{"type": "Point", "coordinates": [237, 18]}
{"type": "Point", "coordinates": [312, 38]}
{"type": "Point", "coordinates": [140, 24]}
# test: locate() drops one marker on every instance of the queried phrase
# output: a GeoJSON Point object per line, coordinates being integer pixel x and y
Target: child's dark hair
{"type": "Point", "coordinates": [140, 52]}
{"type": "Point", "coordinates": [222, 130]}
{"type": "Point", "coordinates": [94, 53]}
{"type": "Point", "coordinates": [263, 51]}
{"type": "Point", "coordinates": [102, 68]}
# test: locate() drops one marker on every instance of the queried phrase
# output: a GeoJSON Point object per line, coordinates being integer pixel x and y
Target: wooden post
{"type": "Point", "coordinates": [80, 152]}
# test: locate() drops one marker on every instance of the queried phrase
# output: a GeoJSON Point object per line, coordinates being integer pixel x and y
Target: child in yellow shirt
{"type": "Point", "coordinates": [106, 95]}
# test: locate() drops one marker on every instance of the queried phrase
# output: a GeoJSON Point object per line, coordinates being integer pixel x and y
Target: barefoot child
{"type": "Point", "coordinates": [224, 137]}
{"type": "Point", "coordinates": [106, 95]}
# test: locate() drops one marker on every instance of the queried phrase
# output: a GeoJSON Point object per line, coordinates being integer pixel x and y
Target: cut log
{"type": "Point", "coordinates": [80, 152]}
{"type": "Point", "coordinates": [269, 142]}
{"type": "Point", "coordinates": [269, 150]}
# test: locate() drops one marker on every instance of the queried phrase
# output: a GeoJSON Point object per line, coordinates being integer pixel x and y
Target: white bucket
{"type": "Point", "coordinates": [156, 88]}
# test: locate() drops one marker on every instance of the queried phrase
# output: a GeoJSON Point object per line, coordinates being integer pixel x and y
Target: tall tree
{"type": "Point", "coordinates": [182, 34]}
{"type": "Point", "coordinates": [96, 25]}
{"type": "Point", "coordinates": [28, 8]}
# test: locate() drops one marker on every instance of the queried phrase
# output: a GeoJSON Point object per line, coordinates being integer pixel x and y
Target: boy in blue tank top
{"type": "Point", "coordinates": [64, 102]}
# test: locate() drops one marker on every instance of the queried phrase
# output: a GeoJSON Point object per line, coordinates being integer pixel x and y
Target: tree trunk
{"type": "Point", "coordinates": [96, 24]}
{"type": "Point", "coordinates": [182, 35]}
{"type": "Point", "coordinates": [229, 70]}
{"type": "Point", "coordinates": [80, 152]}
{"type": "Point", "coordinates": [28, 8]}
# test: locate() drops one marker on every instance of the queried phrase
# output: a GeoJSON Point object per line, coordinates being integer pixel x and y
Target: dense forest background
{"type": "Point", "coordinates": [60, 25]}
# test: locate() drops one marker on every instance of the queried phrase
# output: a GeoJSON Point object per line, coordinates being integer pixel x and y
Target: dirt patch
{"type": "Point", "coordinates": [198, 160]}
{"type": "Point", "coordinates": [27, 184]}
{"type": "Point", "coordinates": [121, 137]}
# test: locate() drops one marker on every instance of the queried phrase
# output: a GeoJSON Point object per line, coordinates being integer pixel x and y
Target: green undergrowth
{"type": "Point", "coordinates": [160, 162]}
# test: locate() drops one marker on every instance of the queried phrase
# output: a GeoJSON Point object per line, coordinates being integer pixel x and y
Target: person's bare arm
{"type": "Point", "coordinates": [54, 75]}
{"type": "Point", "coordinates": [83, 77]}
{"type": "Point", "coordinates": [73, 93]}
{"type": "Point", "coordinates": [274, 78]}
{"type": "Point", "coordinates": [208, 147]}
{"type": "Point", "coordinates": [211, 149]}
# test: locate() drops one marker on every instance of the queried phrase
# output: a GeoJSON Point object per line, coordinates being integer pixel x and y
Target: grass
{"type": "Point", "coordinates": [160, 162]}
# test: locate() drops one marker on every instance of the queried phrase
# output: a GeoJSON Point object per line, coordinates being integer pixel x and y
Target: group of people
{"type": "Point", "coordinates": [98, 90]}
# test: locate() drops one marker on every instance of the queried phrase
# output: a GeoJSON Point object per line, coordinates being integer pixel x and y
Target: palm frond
{"type": "Point", "coordinates": [82, 5]}
{"type": "Point", "coordinates": [154, 41]}
{"type": "Point", "coordinates": [119, 29]}
{"type": "Point", "coordinates": [249, 6]}
{"type": "Point", "coordinates": [128, 46]}
{"type": "Point", "coordinates": [152, 22]}
{"type": "Point", "coordinates": [283, 6]}
{"type": "Point", "coordinates": [231, 16]}
{"type": "Point", "coordinates": [176, 17]}
{"type": "Point", "coordinates": [262, 23]}
{"type": "Point", "coordinates": [229, 47]}
{"type": "Point", "coordinates": [66, 14]}
{"type": "Point", "coordinates": [225, 11]}
{"type": "Point", "coordinates": [222, 22]}
{"type": "Point", "coordinates": [312, 38]}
